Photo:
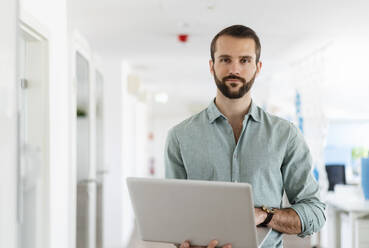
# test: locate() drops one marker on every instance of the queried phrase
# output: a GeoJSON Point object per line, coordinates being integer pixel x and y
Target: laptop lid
{"type": "Point", "coordinates": [171, 211]}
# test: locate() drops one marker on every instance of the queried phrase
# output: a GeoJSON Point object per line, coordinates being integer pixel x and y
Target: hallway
{"type": "Point", "coordinates": [90, 89]}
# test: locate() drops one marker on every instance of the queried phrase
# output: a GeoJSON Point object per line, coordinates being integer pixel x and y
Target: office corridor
{"type": "Point", "coordinates": [89, 90]}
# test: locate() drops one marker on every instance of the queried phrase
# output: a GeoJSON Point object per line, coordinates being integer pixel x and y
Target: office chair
{"type": "Point", "coordinates": [336, 175]}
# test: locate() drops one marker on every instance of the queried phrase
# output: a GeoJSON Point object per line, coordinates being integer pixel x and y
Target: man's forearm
{"type": "Point", "coordinates": [286, 221]}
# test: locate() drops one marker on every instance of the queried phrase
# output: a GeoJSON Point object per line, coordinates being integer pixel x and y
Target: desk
{"type": "Point", "coordinates": [347, 212]}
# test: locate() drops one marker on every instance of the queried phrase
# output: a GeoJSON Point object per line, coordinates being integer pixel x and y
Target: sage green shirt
{"type": "Point", "coordinates": [271, 155]}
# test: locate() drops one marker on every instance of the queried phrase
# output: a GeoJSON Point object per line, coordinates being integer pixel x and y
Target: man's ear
{"type": "Point", "coordinates": [258, 67]}
{"type": "Point", "coordinates": [211, 65]}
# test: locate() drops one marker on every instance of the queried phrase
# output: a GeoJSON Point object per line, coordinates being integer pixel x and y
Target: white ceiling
{"type": "Point", "coordinates": [144, 32]}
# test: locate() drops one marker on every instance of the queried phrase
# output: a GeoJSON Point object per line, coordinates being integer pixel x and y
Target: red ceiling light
{"type": "Point", "coordinates": [183, 37]}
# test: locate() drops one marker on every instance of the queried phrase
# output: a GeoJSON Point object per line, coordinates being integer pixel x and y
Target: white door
{"type": "Point", "coordinates": [86, 186]}
{"type": "Point", "coordinates": [100, 171]}
{"type": "Point", "coordinates": [8, 123]}
{"type": "Point", "coordinates": [33, 140]}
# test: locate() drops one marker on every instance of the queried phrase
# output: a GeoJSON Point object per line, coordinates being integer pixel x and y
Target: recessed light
{"type": "Point", "coordinates": [161, 97]}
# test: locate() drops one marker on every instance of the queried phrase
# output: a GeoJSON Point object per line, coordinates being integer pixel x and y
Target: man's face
{"type": "Point", "coordinates": [234, 67]}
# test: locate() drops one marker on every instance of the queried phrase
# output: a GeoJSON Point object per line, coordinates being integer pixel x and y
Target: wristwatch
{"type": "Point", "coordinates": [270, 213]}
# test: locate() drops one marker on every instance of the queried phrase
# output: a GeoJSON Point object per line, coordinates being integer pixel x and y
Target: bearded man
{"type": "Point", "coordinates": [234, 140]}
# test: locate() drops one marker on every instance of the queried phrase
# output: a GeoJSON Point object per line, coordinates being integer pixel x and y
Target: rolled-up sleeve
{"type": "Point", "coordinates": [174, 167]}
{"type": "Point", "coordinates": [301, 187]}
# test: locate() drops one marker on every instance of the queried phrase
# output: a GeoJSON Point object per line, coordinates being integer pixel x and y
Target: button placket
{"type": "Point", "coordinates": [235, 165]}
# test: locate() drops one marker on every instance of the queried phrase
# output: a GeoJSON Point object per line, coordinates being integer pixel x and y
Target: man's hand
{"type": "Point", "coordinates": [212, 244]}
{"type": "Point", "coordinates": [260, 216]}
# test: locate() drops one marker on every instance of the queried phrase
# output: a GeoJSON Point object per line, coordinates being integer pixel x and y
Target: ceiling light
{"type": "Point", "coordinates": [161, 97]}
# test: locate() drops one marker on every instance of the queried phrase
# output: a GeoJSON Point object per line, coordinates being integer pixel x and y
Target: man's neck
{"type": "Point", "coordinates": [233, 109]}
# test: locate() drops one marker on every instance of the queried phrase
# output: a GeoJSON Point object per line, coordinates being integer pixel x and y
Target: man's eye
{"type": "Point", "coordinates": [243, 61]}
{"type": "Point", "coordinates": [225, 60]}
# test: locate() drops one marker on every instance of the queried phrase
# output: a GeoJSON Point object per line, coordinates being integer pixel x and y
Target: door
{"type": "Point", "coordinates": [33, 140]}
{"type": "Point", "coordinates": [100, 171]}
{"type": "Point", "coordinates": [86, 186]}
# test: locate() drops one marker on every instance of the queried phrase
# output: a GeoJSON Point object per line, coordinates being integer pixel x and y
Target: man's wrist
{"type": "Point", "coordinates": [268, 214]}
{"type": "Point", "coordinates": [264, 215]}
{"type": "Point", "coordinates": [260, 216]}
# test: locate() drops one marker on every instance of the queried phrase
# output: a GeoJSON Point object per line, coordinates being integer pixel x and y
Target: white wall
{"type": "Point", "coordinates": [50, 16]}
{"type": "Point", "coordinates": [135, 143]}
{"type": "Point", "coordinates": [113, 188]}
{"type": "Point", "coordinates": [160, 126]}
{"type": "Point", "coordinates": [125, 131]}
{"type": "Point", "coordinates": [8, 124]}
{"type": "Point", "coordinates": [130, 160]}
{"type": "Point", "coordinates": [348, 133]}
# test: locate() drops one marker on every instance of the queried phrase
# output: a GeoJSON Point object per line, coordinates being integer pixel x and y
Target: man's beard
{"type": "Point", "coordinates": [226, 90]}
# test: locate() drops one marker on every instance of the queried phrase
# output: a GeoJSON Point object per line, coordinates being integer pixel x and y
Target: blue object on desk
{"type": "Point", "coordinates": [365, 177]}
{"type": "Point", "coordinates": [336, 175]}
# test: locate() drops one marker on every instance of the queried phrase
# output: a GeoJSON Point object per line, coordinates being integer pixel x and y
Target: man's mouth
{"type": "Point", "coordinates": [233, 79]}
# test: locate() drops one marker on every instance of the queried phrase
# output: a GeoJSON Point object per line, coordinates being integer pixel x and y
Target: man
{"type": "Point", "coordinates": [235, 140]}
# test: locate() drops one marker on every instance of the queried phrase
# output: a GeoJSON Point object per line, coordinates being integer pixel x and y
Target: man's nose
{"type": "Point", "coordinates": [234, 68]}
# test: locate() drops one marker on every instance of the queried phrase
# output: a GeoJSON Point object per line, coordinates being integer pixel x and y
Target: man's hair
{"type": "Point", "coordinates": [237, 31]}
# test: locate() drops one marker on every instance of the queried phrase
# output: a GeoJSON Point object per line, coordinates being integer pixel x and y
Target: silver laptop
{"type": "Point", "coordinates": [171, 211]}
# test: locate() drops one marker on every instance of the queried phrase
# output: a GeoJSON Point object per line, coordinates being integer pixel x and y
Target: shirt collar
{"type": "Point", "coordinates": [214, 113]}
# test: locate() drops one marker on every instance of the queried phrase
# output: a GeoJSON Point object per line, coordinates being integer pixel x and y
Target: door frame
{"type": "Point", "coordinates": [31, 28]}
